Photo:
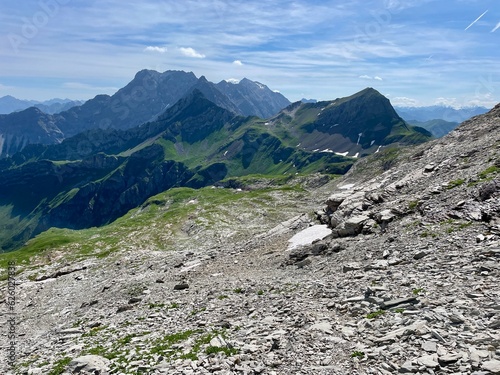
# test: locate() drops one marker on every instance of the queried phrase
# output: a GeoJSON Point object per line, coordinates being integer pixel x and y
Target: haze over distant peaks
{"type": "Point", "coordinates": [9, 104]}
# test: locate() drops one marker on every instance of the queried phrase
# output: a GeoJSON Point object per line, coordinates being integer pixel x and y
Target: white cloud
{"type": "Point", "coordinates": [448, 102]}
{"type": "Point", "coordinates": [377, 78]}
{"type": "Point", "coordinates": [191, 52]}
{"type": "Point", "coordinates": [233, 81]}
{"type": "Point", "coordinates": [237, 62]}
{"type": "Point", "coordinates": [155, 49]}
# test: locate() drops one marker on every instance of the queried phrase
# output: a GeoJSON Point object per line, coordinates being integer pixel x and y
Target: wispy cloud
{"type": "Point", "coordinates": [275, 42]}
{"type": "Point", "coordinates": [477, 19]}
{"type": "Point", "coordinates": [156, 49]}
{"type": "Point", "coordinates": [191, 52]}
{"type": "Point", "coordinates": [376, 78]}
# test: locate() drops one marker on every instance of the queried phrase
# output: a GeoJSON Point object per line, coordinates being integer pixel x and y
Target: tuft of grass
{"type": "Point", "coordinates": [156, 305]}
{"type": "Point", "coordinates": [413, 204]}
{"type": "Point", "coordinates": [375, 314]}
{"type": "Point", "coordinates": [60, 366]}
{"type": "Point", "coordinates": [417, 291]}
{"type": "Point", "coordinates": [197, 311]}
{"type": "Point", "coordinates": [260, 292]}
{"type": "Point", "coordinates": [238, 290]}
{"type": "Point", "coordinates": [485, 175]}
{"type": "Point", "coordinates": [162, 346]}
{"type": "Point", "coordinates": [357, 354]}
{"type": "Point", "coordinates": [222, 296]}
{"type": "Point", "coordinates": [455, 183]}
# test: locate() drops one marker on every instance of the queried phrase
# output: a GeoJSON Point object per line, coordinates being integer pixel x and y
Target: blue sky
{"type": "Point", "coordinates": [416, 52]}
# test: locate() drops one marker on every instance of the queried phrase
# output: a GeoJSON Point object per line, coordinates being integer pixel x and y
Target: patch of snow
{"type": "Point", "coordinates": [336, 125]}
{"type": "Point", "coordinates": [308, 236]}
{"type": "Point", "coordinates": [327, 150]}
{"type": "Point", "coordinates": [225, 153]}
{"type": "Point", "coordinates": [378, 149]}
{"type": "Point", "coordinates": [267, 123]}
{"type": "Point", "coordinates": [372, 142]}
{"type": "Point", "coordinates": [357, 155]}
{"type": "Point", "coordinates": [298, 145]}
{"type": "Point", "coordinates": [346, 187]}
{"type": "Point", "coordinates": [342, 153]}
{"type": "Point", "coordinates": [261, 86]}
{"type": "Point", "coordinates": [359, 138]}
{"type": "Point", "coordinates": [316, 150]}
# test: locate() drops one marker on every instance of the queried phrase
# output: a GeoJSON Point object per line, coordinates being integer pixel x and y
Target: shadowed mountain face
{"type": "Point", "coordinates": [360, 124]}
{"type": "Point", "coordinates": [29, 126]}
{"type": "Point", "coordinates": [146, 97]}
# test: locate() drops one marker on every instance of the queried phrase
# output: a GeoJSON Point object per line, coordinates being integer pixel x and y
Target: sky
{"type": "Point", "coordinates": [415, 52]}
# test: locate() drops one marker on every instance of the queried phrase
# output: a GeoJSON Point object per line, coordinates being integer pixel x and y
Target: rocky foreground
{"type": "Point", "coordinates": [407, 282]}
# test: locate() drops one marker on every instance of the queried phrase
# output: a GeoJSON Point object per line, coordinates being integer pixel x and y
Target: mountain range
{"type": "Point", "coordinates": [146, 97]}
{"type": "Point", "coordinates": [441, 112]}
{"type": "Point", "coordinates": [438, 119]}
{"type": "Point", "coordinates": [99, 174]}
{"type": "Point", "coordinates": [9, 104]}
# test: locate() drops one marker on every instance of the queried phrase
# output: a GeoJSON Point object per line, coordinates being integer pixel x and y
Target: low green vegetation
{"type": "Point", "coordinates": [375, 314]}
{"type": "Point", "coordinates": [418, 291]}
{"type": "Point", "coordinates": [489, 173]}
{"type": "Point", "coordinates": [412, 205]}
{"type": "Point", "coordinates": [167, 211]}
{"type": "Point", "coordinates": [357, 354]}
{"type": "Point", "coordinates": [60, 366]}
{"type": "Point", "coordinates": [455, 183]}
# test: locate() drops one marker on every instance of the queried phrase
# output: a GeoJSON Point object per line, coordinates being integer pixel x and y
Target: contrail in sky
{"type": "Point", "coordinates": [477, 19]}
{"type": "Point", "coordinates": [496, 27]}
